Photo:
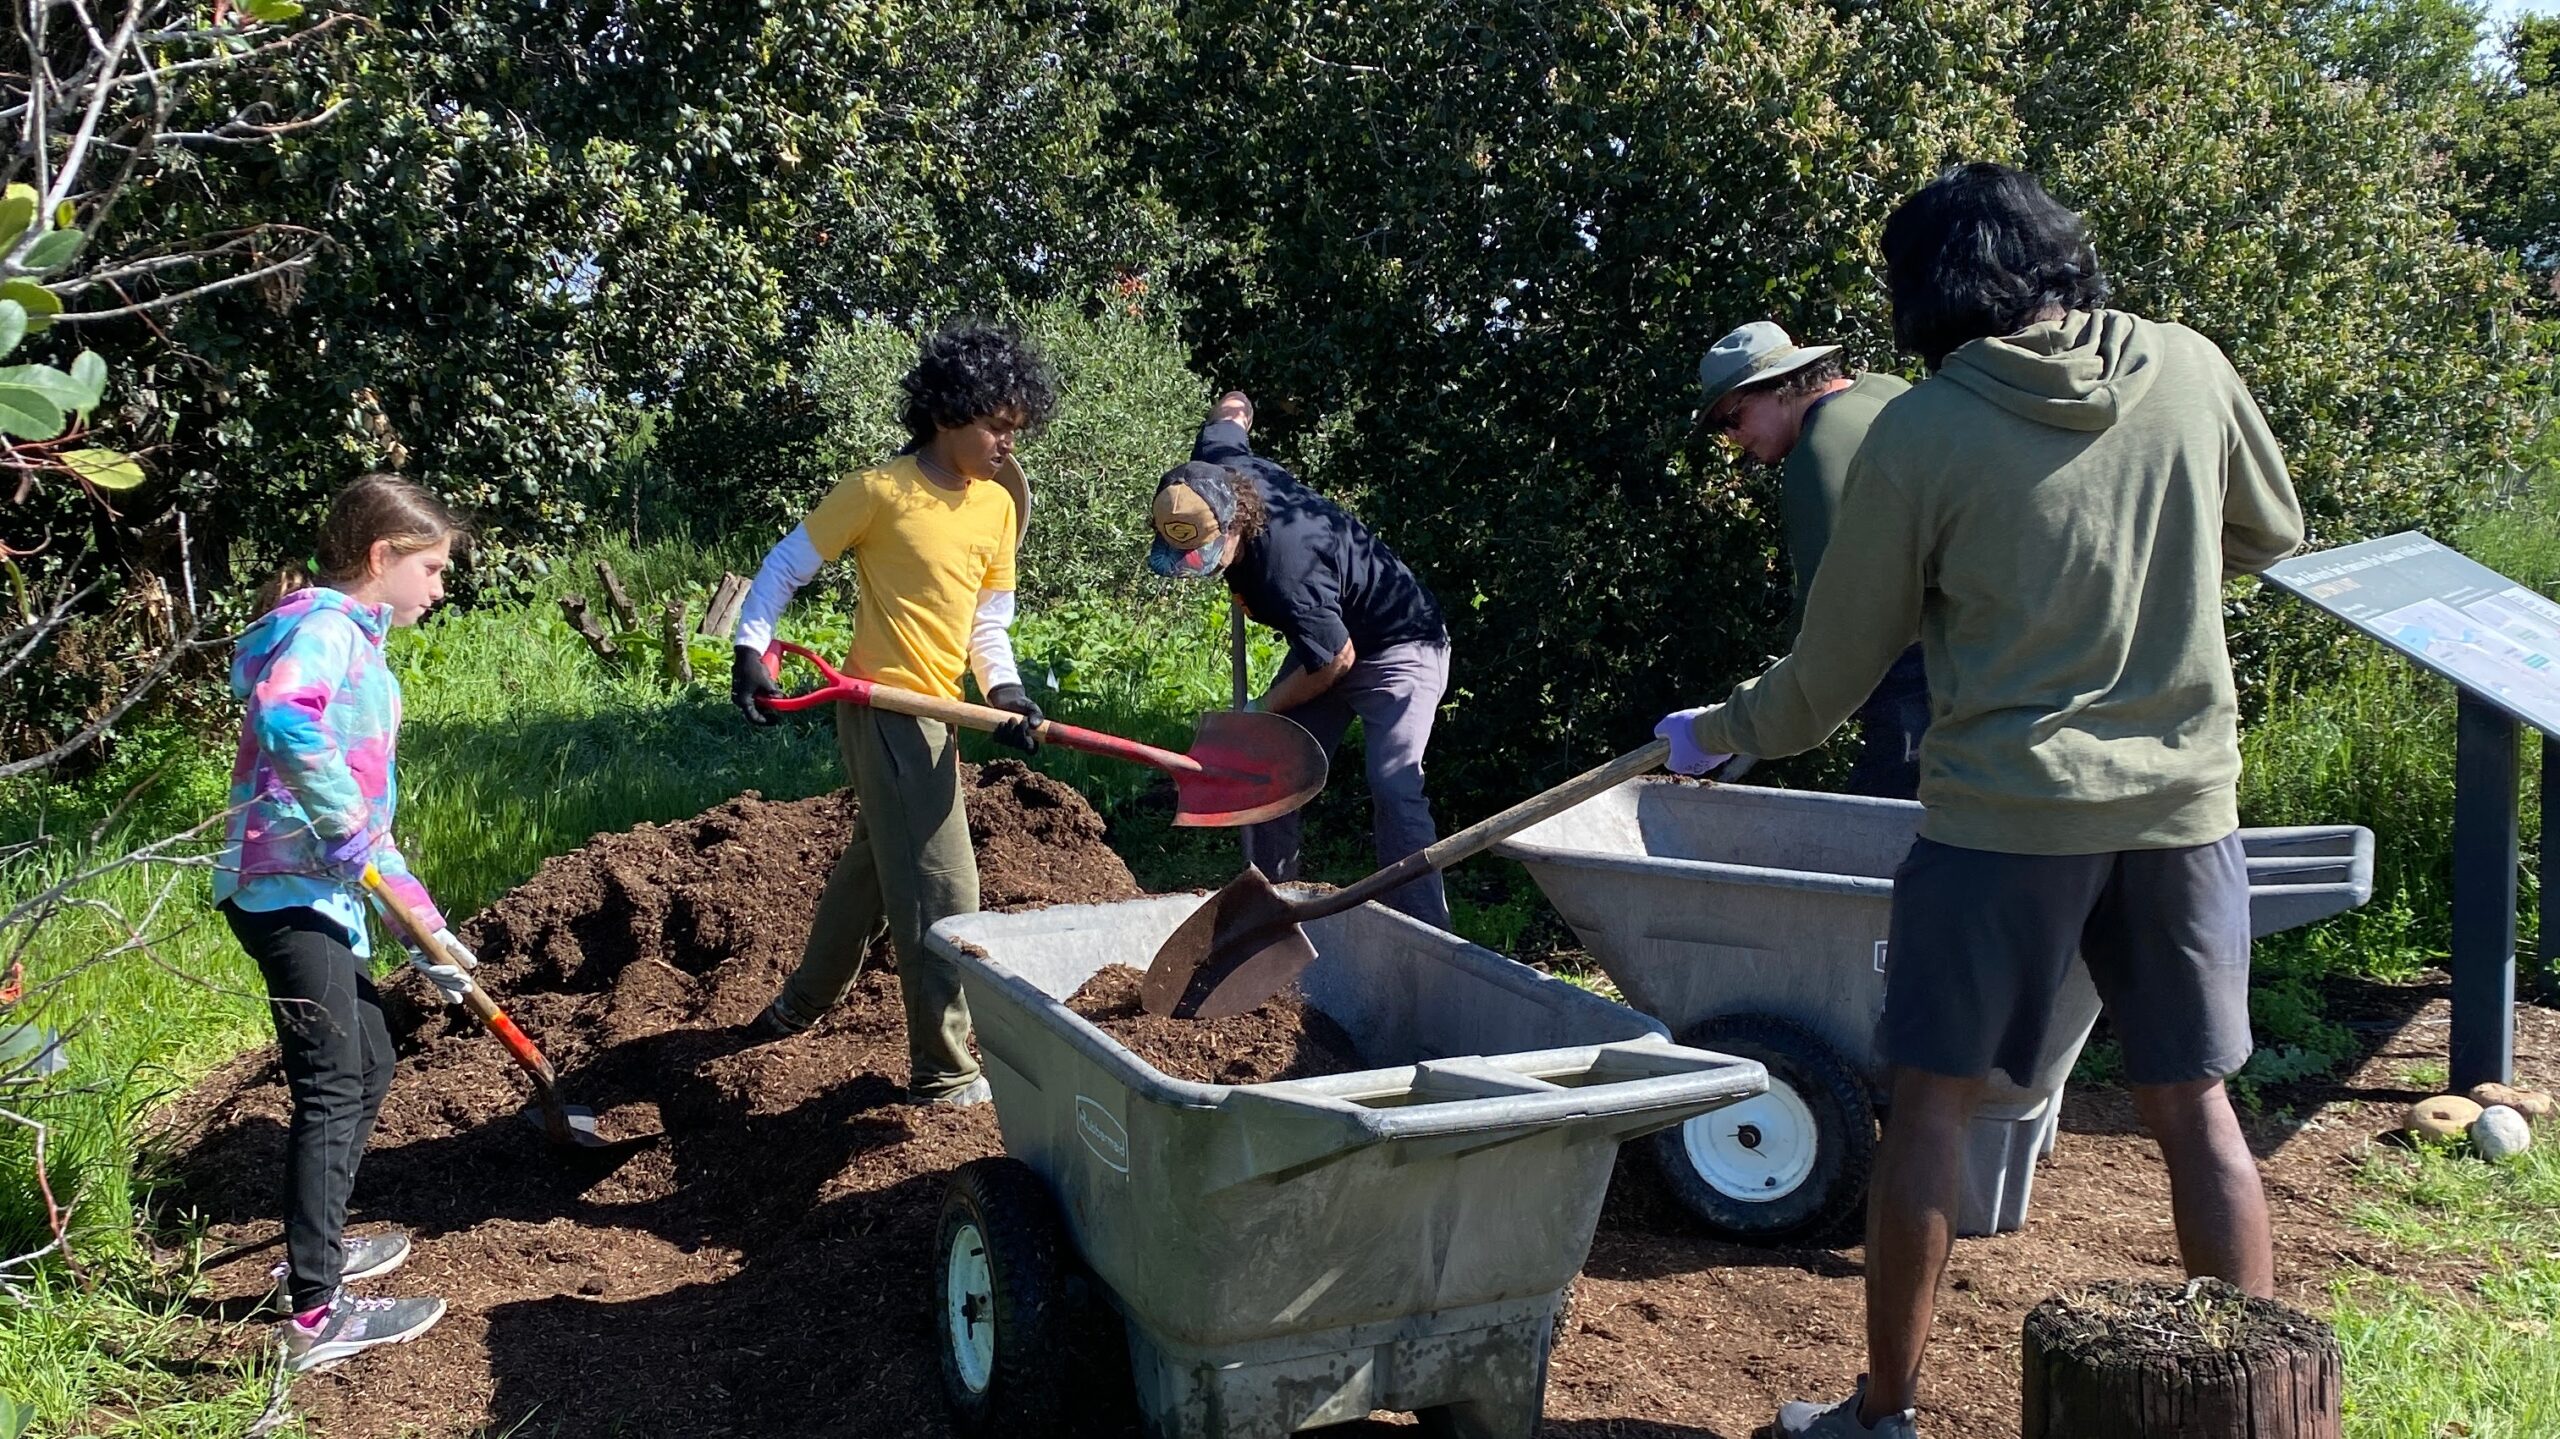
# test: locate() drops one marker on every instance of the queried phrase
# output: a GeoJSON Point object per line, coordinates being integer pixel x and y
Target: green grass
{"type": "Point", "coordinates": [2483, 1364]}
{"type": "Point", "coordinates": [2425, 1366]}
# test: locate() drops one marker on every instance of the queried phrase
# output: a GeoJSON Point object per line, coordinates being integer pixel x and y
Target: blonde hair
{"type": "Point", "coordinates": [376, 508]}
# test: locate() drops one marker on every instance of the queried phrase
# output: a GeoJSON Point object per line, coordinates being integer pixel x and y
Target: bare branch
{"type": "Point", "coordinates": [132, 696]}
{"type": "Point", "coordinates": [78, 154]}
{"type": "Point", "coordinates": [78, 317]}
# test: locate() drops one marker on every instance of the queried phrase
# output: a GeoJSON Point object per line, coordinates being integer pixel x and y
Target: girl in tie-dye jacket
{"type": "Point", "coordinates": [312, 798]}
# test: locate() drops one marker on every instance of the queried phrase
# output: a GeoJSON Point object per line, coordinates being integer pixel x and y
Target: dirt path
{"type": "Point", "coordinates": [761, 1269]}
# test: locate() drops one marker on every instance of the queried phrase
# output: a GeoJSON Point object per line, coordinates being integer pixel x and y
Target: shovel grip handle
{"type": "Point", "coordinates": [474, 998]}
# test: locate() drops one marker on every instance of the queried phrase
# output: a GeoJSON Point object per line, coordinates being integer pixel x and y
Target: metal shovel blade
{"type": "Point", "coordinates": [569, 1125]}
{"type": "Point", "coordinates": [1253, 767]}
{"type": "Point", "coordinates": [1235, 951]}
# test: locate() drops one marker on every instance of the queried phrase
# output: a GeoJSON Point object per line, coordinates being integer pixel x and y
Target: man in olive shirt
{"type": "Point", "coordinates": [2054, 512]}
{"type": "Point", "coordinates": [1795, 407]}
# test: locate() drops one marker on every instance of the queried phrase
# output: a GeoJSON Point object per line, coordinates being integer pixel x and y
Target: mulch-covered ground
{"type": "Point", "coordinates": [753, 1260]}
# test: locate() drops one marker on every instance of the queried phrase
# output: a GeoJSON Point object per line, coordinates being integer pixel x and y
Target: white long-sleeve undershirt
{"type": "Point", "coordinates": [794, 562]}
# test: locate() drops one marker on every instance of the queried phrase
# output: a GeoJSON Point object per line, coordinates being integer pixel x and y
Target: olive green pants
{"type": "Point", "coordinates": [907, 865]}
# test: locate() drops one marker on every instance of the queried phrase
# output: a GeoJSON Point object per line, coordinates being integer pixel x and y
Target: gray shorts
{"type": "Point", "coordinates": [1983, 941]}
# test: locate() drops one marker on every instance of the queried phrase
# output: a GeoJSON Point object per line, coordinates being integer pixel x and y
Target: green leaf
{"type": "Point", "coordinates": [40, 303]}
{"type": "Point", "coordinates": [17, 212]}
{"type": "Point", "coordinates": [89, 372]}
{"type": "Point", "coordinates": [47, 381]}
{"type": "Point", "coordinates": [106, 469]}
{"type": "Point", "coordinates": [13, 324]}
{"type": "Point", "coordinates": [273, 12]}
{"type": "Point", "coordinates": [16, 1417]}
{"type": "Point", "coordinates": [29, 414]}
{"type": "Point", "coordinates": [54, 250]}
{"type": "Point", "coordinates": [64, 214]}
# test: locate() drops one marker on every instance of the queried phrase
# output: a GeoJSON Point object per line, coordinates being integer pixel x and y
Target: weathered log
{"type": "Point", "coordinates": [720, 617]}
{"type": "Point", "coordinates": [671, 632]}
{"type": "Point", "coordinates": [616, 598]}
{"type": "Point", "coordinates": [2129, 1359]}
{"type": "Point", "coordinates": [575, 607]}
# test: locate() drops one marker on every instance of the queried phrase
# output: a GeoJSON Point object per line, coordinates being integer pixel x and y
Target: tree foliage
{"type": "Point", "coordinates": [1496, 238]}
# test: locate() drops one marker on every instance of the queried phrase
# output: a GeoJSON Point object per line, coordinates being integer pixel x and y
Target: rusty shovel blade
{"type": "Point", "coordinates": [1235, 951]}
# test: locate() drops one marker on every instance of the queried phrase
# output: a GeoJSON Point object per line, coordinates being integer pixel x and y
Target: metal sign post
{"type": "Point", "coordinates": [2499, 643]}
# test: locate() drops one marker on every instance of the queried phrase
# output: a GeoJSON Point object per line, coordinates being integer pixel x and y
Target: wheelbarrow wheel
{"type": "Point", "coordinates": [1784, 1165]}
{"type": "Point", "coordinates": [1002, 1304]}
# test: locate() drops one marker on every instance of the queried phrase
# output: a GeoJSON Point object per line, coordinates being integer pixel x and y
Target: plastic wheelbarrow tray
{"type": "Point", "coordinates": [1753, 921]}
{"type": "Point", "coordinates": [1295, 1254]}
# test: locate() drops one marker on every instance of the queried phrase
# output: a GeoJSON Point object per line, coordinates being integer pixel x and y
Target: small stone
{"type": "Point", "coordinates": [2500, 1133]}
{"type": "Point", "coordinates": [2447, 1116]}
{"type": "Point", "coordinates": [2533, 1104]}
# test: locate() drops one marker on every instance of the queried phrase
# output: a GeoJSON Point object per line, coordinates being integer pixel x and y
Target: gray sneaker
{"type": "Point", "coordinates": [352, 1325]}
{"type": "Point", "coordinates": [967, 1096]}
{"type": "Point", "coordinates": [1801, 1420]}
{"type": "Point", "coordinates": [368, 1256]}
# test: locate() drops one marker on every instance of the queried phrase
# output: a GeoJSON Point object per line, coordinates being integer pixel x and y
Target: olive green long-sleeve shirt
{"type": "Point", "coordinates": [2053, 514]}
{"type": "Point", "coordinates": [1817, 470]}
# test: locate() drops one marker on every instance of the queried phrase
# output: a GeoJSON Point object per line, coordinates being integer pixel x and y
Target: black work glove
{"type": "Point", "coordinates": [749, 683]}
{"type": "Point", "coordinates": [1023, 732]}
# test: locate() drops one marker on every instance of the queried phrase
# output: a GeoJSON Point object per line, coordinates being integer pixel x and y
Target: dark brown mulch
{"type": "Point", "coordinates": [1284, 1039]}
{"type": "Point", "coordinates": [763, 1267]}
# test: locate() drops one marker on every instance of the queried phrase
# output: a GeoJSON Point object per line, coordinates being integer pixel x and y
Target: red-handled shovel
{"type": "Point", "coordinates": [565, 1123]}
{"type": "Point", "coordinates": [1242, 767]}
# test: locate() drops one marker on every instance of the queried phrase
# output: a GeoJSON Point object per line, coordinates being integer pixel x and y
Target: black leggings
{"type": "Point", "coordinates": [337, 1062]}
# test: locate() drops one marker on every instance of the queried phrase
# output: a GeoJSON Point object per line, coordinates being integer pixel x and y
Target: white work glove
{"type": "Point", "coordinates": [451, 978]}
{"type": "Point", "coordinates": [1681, 728]}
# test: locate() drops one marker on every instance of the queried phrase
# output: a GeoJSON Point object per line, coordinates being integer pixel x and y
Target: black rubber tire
{"type": "Point", "coordinates": [1028, 1262]}
{"type": "Point", "coordinates": [1844, 1134]}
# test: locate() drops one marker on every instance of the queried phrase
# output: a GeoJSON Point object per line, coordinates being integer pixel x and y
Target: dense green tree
{"type": "Point", "coordinates": [1486, 244]}
{"type": "Point", "coordinates": [2512, 157]}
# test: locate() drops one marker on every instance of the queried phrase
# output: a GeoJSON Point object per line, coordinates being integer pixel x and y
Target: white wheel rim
{"type": "Point", "coordinates": [969, 1307]}
{"type": "Point", "coordinates": [1757, 1151]}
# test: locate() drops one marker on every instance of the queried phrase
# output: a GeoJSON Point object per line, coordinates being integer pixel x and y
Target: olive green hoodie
{"type": "Point", "coordinates": [2053, 514]}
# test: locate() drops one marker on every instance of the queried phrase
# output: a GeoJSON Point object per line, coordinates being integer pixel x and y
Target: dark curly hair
{"type": "Point", "coordinates": [971, 370]}
{"type": "Point", "coordinates": [1980, 251]}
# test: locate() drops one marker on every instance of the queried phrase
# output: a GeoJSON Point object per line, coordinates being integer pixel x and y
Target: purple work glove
{"type": "Point", "coordinates": [1681, 728]}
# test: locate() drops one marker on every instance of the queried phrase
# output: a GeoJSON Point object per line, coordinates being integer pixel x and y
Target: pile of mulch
{"type": "Point", "coordinates": [759, 1267]}
{"type": "Point", "coordinates": [1285, 1038]}
{"type": "Point", "coordinates": [763, 1266]}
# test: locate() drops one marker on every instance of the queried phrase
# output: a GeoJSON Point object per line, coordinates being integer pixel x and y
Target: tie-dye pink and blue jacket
{"type": "Point", "coordinates": [315, 785]}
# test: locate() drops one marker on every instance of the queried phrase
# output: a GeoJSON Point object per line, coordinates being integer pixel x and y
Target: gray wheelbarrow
{"type": "Point", "coordinates": [1753, 921]}
{"type": "Point", "coordinates": [1296, 1254]}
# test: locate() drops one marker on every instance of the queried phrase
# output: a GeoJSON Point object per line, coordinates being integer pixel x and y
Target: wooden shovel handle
{"type": "Point", "coordinates": [474, 998]}
{"type": "Point", "coordinates": [1476, 838]}
{"type": "Point", "coordinates": [853, 689]}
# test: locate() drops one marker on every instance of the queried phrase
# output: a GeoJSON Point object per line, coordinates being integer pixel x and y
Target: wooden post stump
{"type": "Point", "coordinates": [616, 598]}
{"type": "Point", "coordinates": [575, 608]}
{"type": "Point", "coordinates": [679, 661]}
{"type": "Point", "coordinates": [720, 617]}
{"type": "Point", "coordinates": [2129, 1359]}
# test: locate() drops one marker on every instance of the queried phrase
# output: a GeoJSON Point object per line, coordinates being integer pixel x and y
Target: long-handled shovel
{"type": "Point", "coordinates": [1242, 767]}
{"type": "Point", "coordinates": [564, 1123]}
{"type": "Point", "coordinates": [1245, 946]}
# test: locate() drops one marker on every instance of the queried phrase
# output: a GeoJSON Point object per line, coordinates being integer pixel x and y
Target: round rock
{"type": "Point", "coordinates": [2447, 1116]}
{"type": "Point", "coordinates": [2533, 1104]}
{"type": "Point", "coordinates": [2500, 1133]}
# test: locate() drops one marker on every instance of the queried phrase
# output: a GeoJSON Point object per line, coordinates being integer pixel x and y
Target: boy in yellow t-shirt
{"type": "Point", "coordinates": [933, 533]}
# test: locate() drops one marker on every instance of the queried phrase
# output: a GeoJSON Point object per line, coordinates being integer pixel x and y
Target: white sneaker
{"type": "Point", "coordinates": [967, 1096]}
{"type": "Point", "coordinates": [351, 1326]}
{"type": "Point", "coordinates": [1798, 1419]}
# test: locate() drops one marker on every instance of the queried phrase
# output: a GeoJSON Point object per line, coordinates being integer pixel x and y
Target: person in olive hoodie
{"type": "Point", "coordinates": [1795, 407]}
{"type": "Point", "coordinates": [2053, 512]}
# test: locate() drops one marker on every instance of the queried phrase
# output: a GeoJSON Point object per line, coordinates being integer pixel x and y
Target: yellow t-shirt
{"type": "Point", "coordinates": [922, 553]}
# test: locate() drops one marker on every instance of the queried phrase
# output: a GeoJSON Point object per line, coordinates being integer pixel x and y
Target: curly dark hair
{"type": "Point", "coordinates": [1980, 251]}
{"type": "Point", "coordinates": [973, 369]}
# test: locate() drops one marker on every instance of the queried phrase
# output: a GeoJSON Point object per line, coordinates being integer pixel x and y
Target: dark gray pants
{"type": "Point", "coordinates": [337, 1065]}
{"type": "Point", "coordinates": [1395, 694]}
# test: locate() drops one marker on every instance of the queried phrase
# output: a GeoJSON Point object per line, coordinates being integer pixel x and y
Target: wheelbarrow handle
{"type": "Point", "coordinates": [853, 689]}
{"type": "Point", "coordinates": [474, 998]}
